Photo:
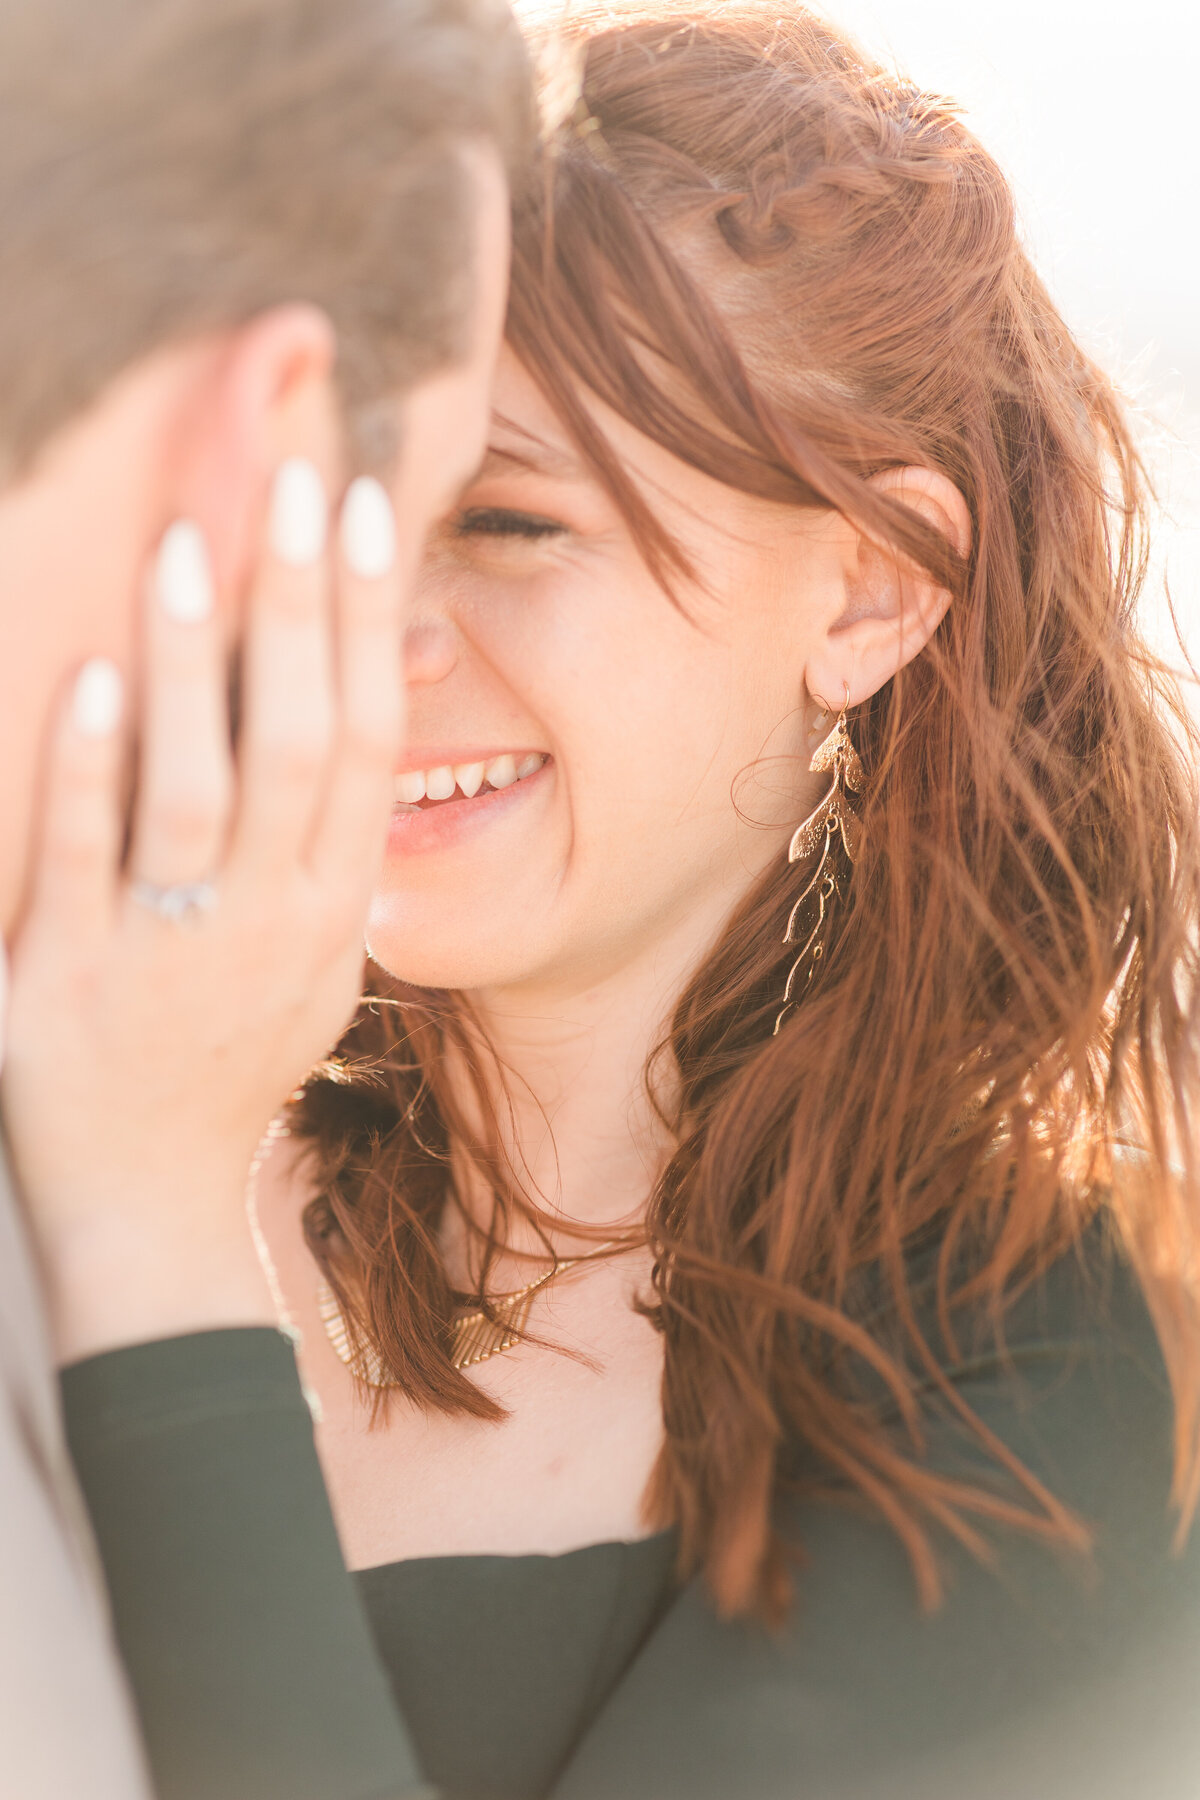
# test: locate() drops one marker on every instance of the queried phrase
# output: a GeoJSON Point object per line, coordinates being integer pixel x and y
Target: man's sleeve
{"type": "Point", "coordinates": [249, 1655]}
{"type": "Point", "coordinates": [66, 1725]}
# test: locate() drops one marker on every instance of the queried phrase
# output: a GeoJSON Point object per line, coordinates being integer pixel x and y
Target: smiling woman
{"type": "Point", "coordinates": [692, 535]}
{"type": "Point", "coordinates": [763, 1186]}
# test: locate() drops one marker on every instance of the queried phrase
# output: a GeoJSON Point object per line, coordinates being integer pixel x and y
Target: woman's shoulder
{"type": "Point", "coordinates": [1087, 1296]}
{"type": "Point", "coordinates": [1083, 1300]}
{"type": "Point", "coordinates": [1045, 1670]}
{"type": "Point", "coordinates": [1066, 1377]}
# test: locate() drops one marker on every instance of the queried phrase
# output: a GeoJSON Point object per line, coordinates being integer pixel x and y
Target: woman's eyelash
{"type": "Point", "coordinates": [498, 521]}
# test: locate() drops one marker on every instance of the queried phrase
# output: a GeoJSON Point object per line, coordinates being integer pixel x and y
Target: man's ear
{"type": "Point", "coordinates": [265, 393]}
{"type": "Point", "coordinates": [891, 607]}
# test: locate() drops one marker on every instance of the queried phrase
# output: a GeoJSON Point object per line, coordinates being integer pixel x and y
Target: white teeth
{"type": "Point", "coordinates": [469, 777]}
{"type": "Point", "coordinates": [411, 787]}
{"type": "Point", "coordinates": [439, 783]}
{"type": "Point", "coordinates": [443, 783]}
{"type": "Point", "coordinates": [502, 771]}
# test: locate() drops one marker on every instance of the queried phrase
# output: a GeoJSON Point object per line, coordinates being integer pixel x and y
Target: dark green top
{"type": "Point", "coordinates": [500, 1663]}
{"type": "Point", "coordinates": [264, 1672]}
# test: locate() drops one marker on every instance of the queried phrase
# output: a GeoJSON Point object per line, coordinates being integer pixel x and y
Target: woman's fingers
{"type": "Point", "coordinates": [349, 837]}
{"type": "Point", "coordinates": [288, 706]}
{"type": "Point", "coordinates": [76, 872]}
{"type": "Point", "coordinates": [185, 775]}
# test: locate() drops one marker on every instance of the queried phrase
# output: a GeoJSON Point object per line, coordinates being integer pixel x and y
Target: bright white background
{"type": "Point", "coordinates": [1092, 110]}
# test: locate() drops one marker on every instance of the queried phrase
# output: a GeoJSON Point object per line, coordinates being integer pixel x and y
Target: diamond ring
{"type": "Point", "coordinates": [183, 904]}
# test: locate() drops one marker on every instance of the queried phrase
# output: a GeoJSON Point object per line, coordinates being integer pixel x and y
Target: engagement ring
{"type": "Point", "coordinates": [183, 904]}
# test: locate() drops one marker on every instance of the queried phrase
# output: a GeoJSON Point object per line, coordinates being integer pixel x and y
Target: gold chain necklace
{"type": "Point", "coordinates": [475, 1335]}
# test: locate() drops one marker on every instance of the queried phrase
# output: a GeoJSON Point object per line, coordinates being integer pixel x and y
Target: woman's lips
{"type": "Point", "coordinates": [418, 829]}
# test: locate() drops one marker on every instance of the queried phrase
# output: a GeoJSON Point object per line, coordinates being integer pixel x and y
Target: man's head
{"type": "Point", "coordinates": [224, 218]}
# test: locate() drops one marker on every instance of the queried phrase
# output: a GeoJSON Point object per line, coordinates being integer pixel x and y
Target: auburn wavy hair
{"type": "Point", "coordinates": [793, 271]}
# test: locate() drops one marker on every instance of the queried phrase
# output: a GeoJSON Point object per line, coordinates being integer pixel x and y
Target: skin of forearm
{"type": "Point", "coordinates": [118, 1281]}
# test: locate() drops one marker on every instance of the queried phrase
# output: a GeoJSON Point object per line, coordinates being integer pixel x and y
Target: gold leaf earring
{"type": "Point", "coordinates": [835, 828]}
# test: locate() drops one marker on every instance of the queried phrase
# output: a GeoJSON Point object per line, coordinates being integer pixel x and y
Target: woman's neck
{"type": "Point", "coordinates": [575, 1117]}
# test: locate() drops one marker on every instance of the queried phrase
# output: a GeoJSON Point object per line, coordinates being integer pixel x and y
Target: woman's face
{"type": "Point", "coordinates": [540, 639]}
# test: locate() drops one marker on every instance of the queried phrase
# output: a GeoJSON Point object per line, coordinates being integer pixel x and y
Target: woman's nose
{"type": "Point", "coordinates": [430, 652]}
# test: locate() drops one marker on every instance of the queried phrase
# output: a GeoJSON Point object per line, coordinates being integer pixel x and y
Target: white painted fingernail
{"type": "Point", "coordinates": [368, 529]}
{"type": "Point", "coordinates": [183, 578]}
{"type": "Point", "coordinates": [98, 697]}
{"type": "Point", "coordinates": [299, 513]}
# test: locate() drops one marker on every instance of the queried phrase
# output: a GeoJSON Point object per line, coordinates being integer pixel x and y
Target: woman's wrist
{"type": "Point", "coordinates": [115, 1282]}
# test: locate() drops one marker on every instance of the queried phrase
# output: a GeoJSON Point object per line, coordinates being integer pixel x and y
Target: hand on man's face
{"type": "Point", "coordinates": [181, 989]}
{"type": "Point", "coordinates": [77, 535]}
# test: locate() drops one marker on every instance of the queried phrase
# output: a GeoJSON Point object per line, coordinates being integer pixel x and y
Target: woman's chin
{"type": "Point", "coordinates": [482, 966]}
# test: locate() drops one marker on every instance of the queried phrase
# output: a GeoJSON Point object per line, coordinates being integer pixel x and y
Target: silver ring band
{"type": "Point", "coordinates": [185, 903]}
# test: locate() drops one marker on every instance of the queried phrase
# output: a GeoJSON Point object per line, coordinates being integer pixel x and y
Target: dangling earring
{"type": "Point", "coordinates": [835, 825]}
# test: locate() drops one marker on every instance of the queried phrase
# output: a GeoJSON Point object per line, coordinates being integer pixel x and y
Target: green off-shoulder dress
{"type": "Point", "coordinates": [263, 1671]}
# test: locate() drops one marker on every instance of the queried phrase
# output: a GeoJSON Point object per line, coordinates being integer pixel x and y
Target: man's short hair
{"type": "Point", "coordinates": [170, 167]}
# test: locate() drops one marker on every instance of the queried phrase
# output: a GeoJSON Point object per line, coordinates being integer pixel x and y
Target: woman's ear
{"type": "Point", "coordinates": [266, 393]}
{"type": "Point", "coordinates": [891, 607]}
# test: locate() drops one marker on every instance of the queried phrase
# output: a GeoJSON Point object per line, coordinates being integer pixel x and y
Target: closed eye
{"type": "Point", "coordinates": [499, 521]}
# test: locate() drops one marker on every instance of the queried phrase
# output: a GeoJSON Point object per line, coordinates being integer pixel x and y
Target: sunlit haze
{"type": "Point", "coordinates": [1091, 110]}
